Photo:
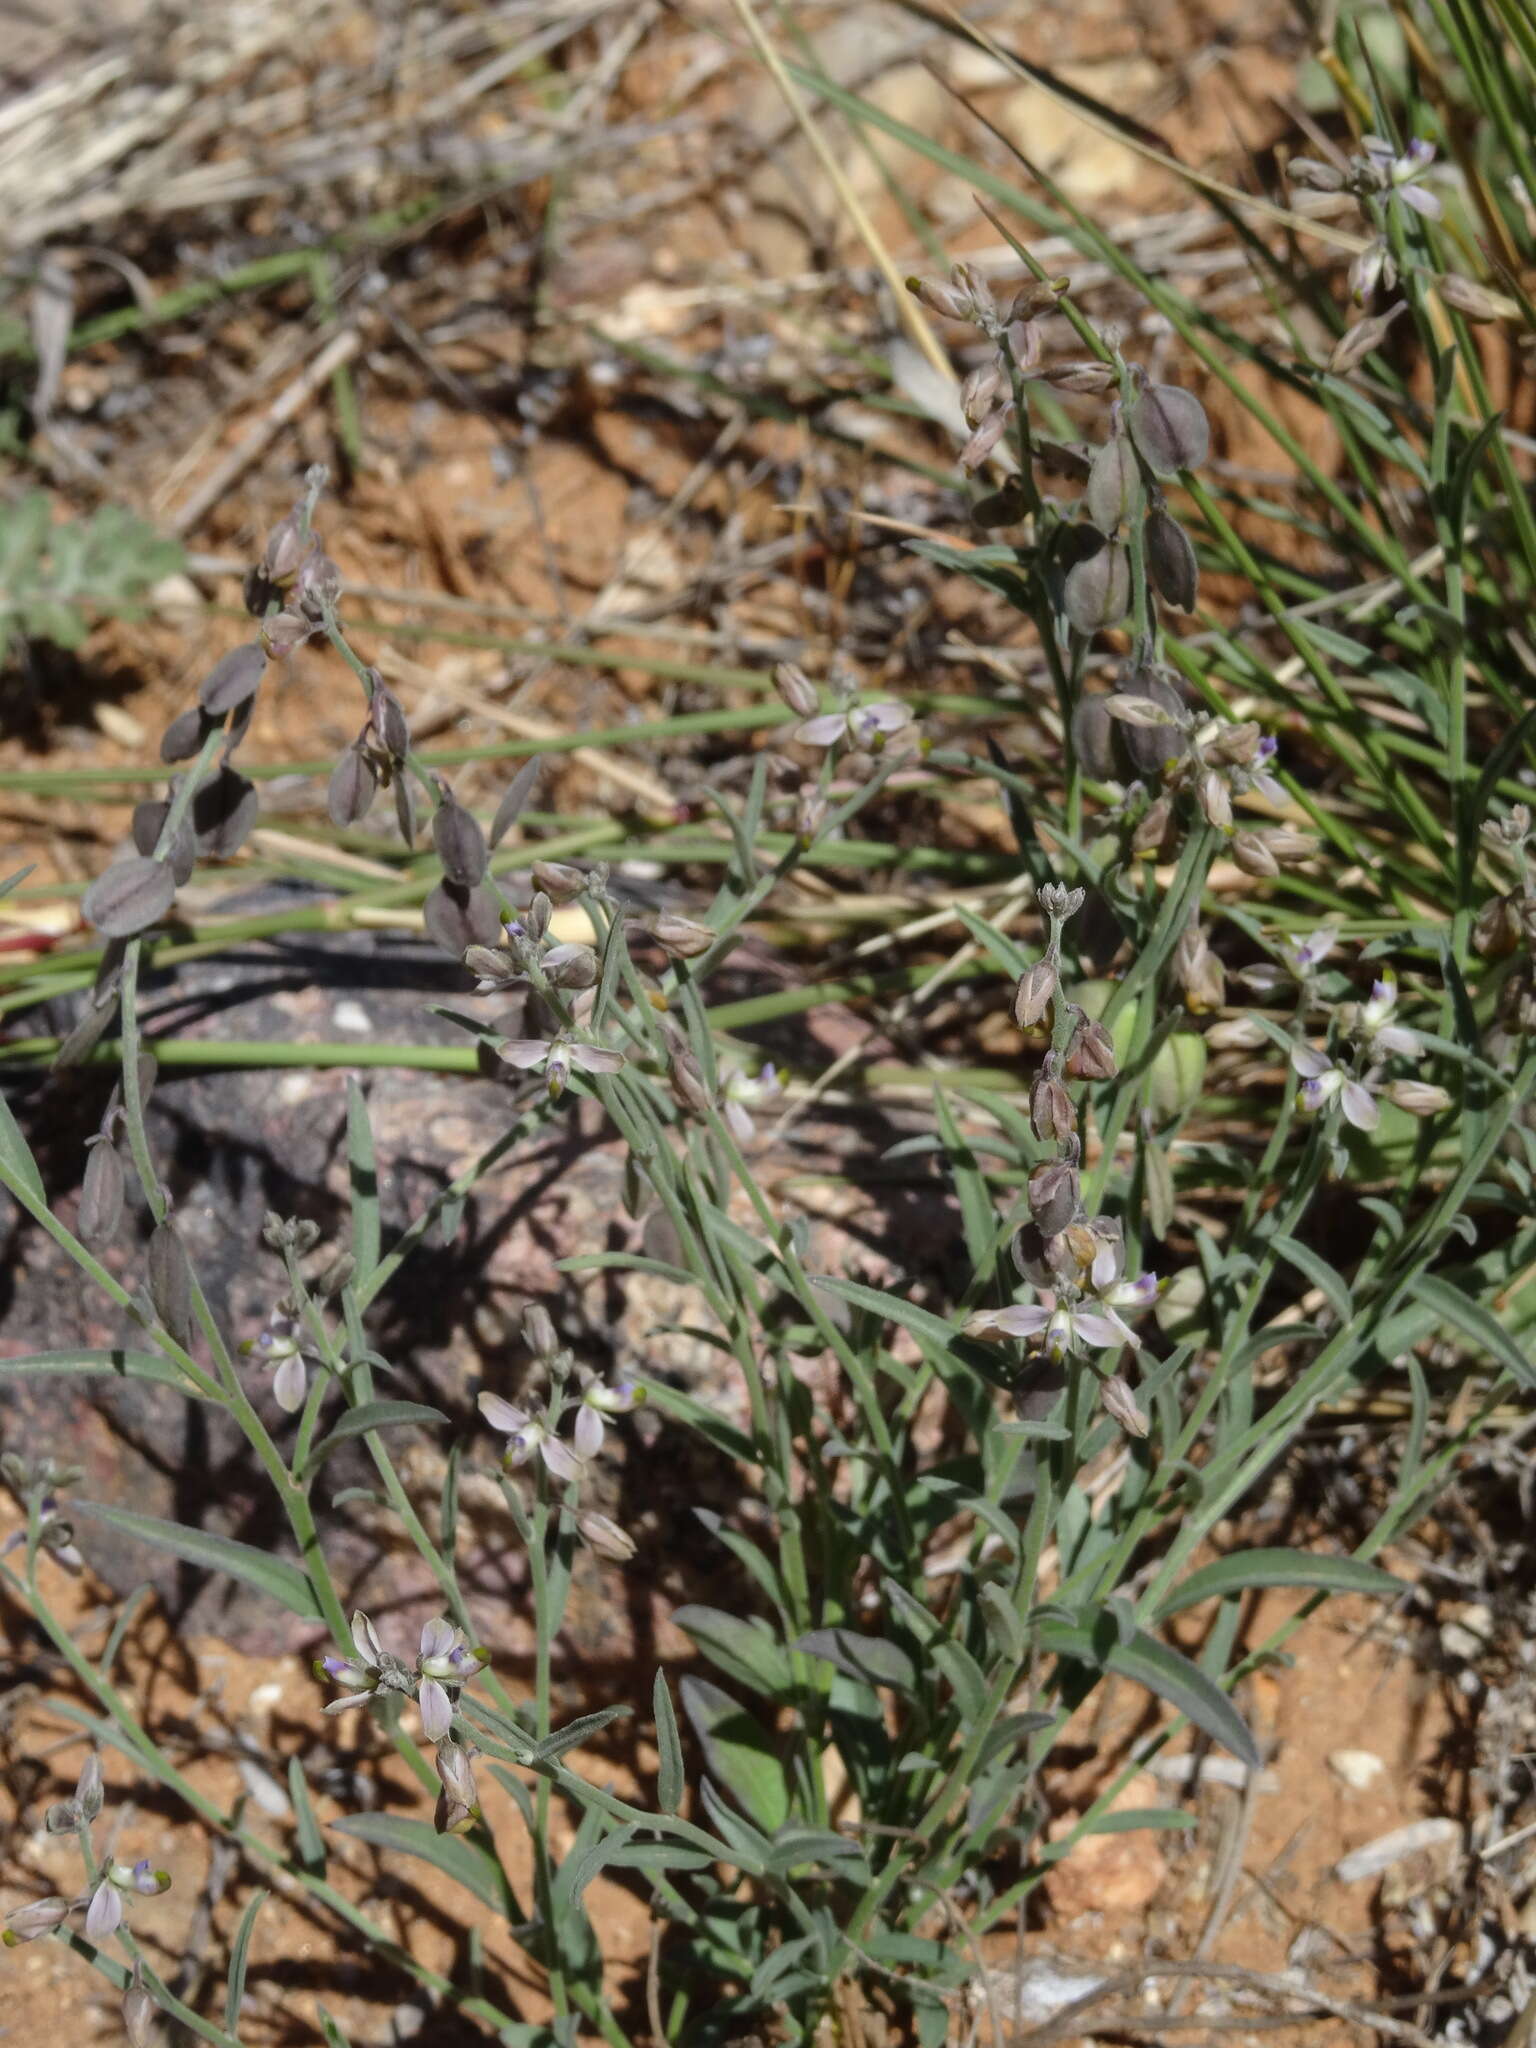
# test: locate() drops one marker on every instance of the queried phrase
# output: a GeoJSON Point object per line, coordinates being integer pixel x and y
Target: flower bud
{"type": "Point", "coordinates": [287, 545]}
{"type": "Point", "coordinates": [1091, 1052]}
{"type": "Point", "coordinates": [1032, 997]}
{"type": "Point", "coordinates": [1471, 300]}
{"type": "Point", "coordinates": [1496, 929]}
{"type": "Point", "coordinates": [317, 586]}
{"type": "Point", "coordinates": [1039, 295]}
{"type": "Point", "coordinates": [88, 1787]}
{"type": "Point", "coordinates": [681, 937]}
{"type": "Point", "coordinates": [1150, 837]}
{"type": "Point", "coordinates": [561, 884]}
{"type": "Point", "coordinates": [140, 2013]}
{"type": "Point", "coordinates": [38, 1916]}
{"type": "Point", "coordinates": [942, 299]}
{"type": "Point", "coordinates": [1372, 267]}
{"type": "Point", "coordinates": [1215, 799]}
{"type": "Point", "coordinates": [1053, 1196]}
{"type": "Point", "coordinates": [1118, 1402]}
{"type": "Point", "coordinates": [978, 394]}
{"type": "Point", "coordinates": [687, 1078]}
{"type": "Point", "coordinates": [458, 1803]}
{"type": "Point", "coordinates": [1171, 560]}
{"type": "Point", "coordinates": [796, 689]}
{"type": "Point", "coordinates": [1169, 428]}
{"type": "Point", "coordinates": [604, 1537]}
{"type": "Point", "coordinates": [1236, 1034]}
{"type": "Point", "coordinates": [283, 632]}
{"type": "Point", "coordinates": [1087, 380]}
{"type": "Point", "coordinates": [810, 815]}
{"type": "Point", "coordinates": [1059, 902]}
{"type": "Point", "coordinates": [1419, 1098]}
{"type": "Point", "coordinates": [989, 432]}
{"type": "Point", "coordinates": [539, 1331]}
{"type": "Point", "coordinates": [1050, 1110]}
{"type": "Point", "coordinates": [1316, 176]}
{"type": "Point", "coordinates": [101, 1193]}
{"type": "Point", "coordinates": [1252, 853]}
{"type": "Point", "coordinates": [570, 966]}
{"type": "Point", "coordinates": [387, 721]}
{"type": "Point", "coordinates": [1361, 340]}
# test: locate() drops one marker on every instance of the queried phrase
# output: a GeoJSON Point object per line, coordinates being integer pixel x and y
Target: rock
{"type": "Point", "coordinates": [1357, 1768]}
{"type": "Point", "coordinates": [1109, 1873]}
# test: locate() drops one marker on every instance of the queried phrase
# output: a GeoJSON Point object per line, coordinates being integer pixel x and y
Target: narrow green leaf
{"type": "Point", "coordinates": [575, 1733]}
{"type": "Point", "coordinates": [454, 1855]}
{"type": "Point", "coordinates": [669, 1748]}
{"type": "Point", "coordinates": [371, 1415]}
{"type": "Point", "coordinates": [1162, 1671]}
{"type": "Point", "coordinates": [579, 1868]}
{"type": "Point", "coordinates": [1475, 1323]}
{"type": "Point", "coordinates": [1124, 1823]}
{"type": "Point", "coordinates": [966, 1678]}
{"type": "Point", "coordinates": [1332, 1285]}
{"type": "Point", "coordinates": [311, 1841]}
{"type": "Point", "coordinates": [1243, 1570]}
{"type": "Point", "coordinates": [16, 1154]}
{"type": "Point", "coordinates": [279, 1580]}
{"type": "Point", "coordinates": [123, 1365]}
{"type": "Point", "coordinates": [743, 1647]}
{"type": "Point", "coordinates": [334, 2037]}
{"type": "Point", "coordinates": [364, 1177]}
{"type": "Point", "coordinates": [120, 1627]}
{"type": "Point", "coordinates": [738, 1752]}
{"type": "Point", "coordinates": [238, 1954]}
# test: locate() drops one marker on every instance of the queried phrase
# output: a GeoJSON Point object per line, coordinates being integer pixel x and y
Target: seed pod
{"type": "Point", "coordinates": [1363, 339]}
{"type": "Point", "coordinates": [1098, 590]}
{"type": "Point", "coordinates": [458, 1805]}
{"type": "Point", "coordinates": [1119, 1403]}
{"type": "Point", "coordinates": [796, 689]}
{"type": "Point", "coordinates": [490, 963]}
{"type": "Point", "coordinates": [232, 680]}
{"type": "Point", "coordinates": [148, 823]}
{"type": "Point", "coordinates": [88, 1787]}
{"type": "Point", "coordinates": [942, 299]}
{"type": "Point", "coordinates": [170, 1282]}
{"type": "Point", "coordinates": [1496, 929]}
{"type": "Point", "coordinates": [140, 2014]}
{"type": "Point", "coordinates": [352, 788]}
{"type": "Point", "coordinates": [101, 1194]}
{"type": "Point", "coordinates": [405, 810]}
{"type": "Point", "coordinates": [1091, 1052]}
{"type": "Point", "coordinates": [1088, 380]}
{"type": "Point", "coordinates": [1114, 484]}
{"type": "Point", "coordinates": [1032, 996]}
{"type": "Point", "coordinates": [1215, 799]}
{"type": "Point", "coordinates": [1039, 295]}
{"type": "Point", "coordinates": [1054, 1195]}
{"type": "Point", "coordinates": [986, 437]}
{"type": "Point", "coordinates": [1419, 1098]}
{"type": "Point", "coordinates": [1050, 1110]}
{"type": "Point", "coordinates": [132, 895]}
{"type": "Point", "coordinates": [1093, 737]}
{"type": "Point", "coordinates": [386, 720]}
{"type": "Point", "coordinates": [561, 884]}
{"type": "Point", "coordinates": [458, 918]}
{"type": "Point", "coordinates": [1171, 560]}
{"type": "Point", "coordinates": [1032, 1255]}
{"type": "Point", "coordinates": [183, 736]}
{"type": "Point", "coordinates": [460, 844]}
{"type": "Point", "coordinates": [978, 394]}
{"type": "Point", "coordinates": [223, 813]}
{"type": "Point", "coordinates": [681, 937]}
{"type": "Point", "coordinates": [539, 1331]}
{"type": "Point", "coordinates": [1169, 428]}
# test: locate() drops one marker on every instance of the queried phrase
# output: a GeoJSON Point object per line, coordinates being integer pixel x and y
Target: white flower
{"type": "Point", "coordinates": [1306, 952]}
{"type": "Point", "coordinates": [104, 1914]}
{"type": "Point", "coordinates": [527, 1436]}
{"type": "Point", "coordinates": [1398, 175]}
{"type": "Point", "coordinates": [600, 1399]}
{"type": "Point", "coordinates": [445, 1659]}
{"type": "Point", "coordinates": [1094, 1323]}
{"type": "Point", "coordinates": [1371, 1023]}
{"type": "Point", "coordinates": [557, 1056]}
{"type": "Point", "coordinates": [280, 1350]}
{"type": "Point", "coordinates": [863, 725]}
{"type": "Point", "coordinates": [745, 1092]}
{"type": "Point", "coordinates": [1322, 1081]}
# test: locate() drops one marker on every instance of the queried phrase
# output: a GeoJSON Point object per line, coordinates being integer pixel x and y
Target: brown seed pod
{"type": "Point", "coordinates": [458, 918]}
{"type": "Point", "coordinates": [1098, 589]}
{"type": "Point", "coordinates": [1169, 427]}
{"type": "Point", "coordinates": [223, 813]}
{"type": "Point", "coordinates": [352, 788]}
{"type": "Point", "coordinates": [132, 895]}
{"type": "Point", "coordinates": [184, 736]}
{"type": "Point", "coordinates": [170, 1282]}
{"type": "Point", "coordinates": [233, 679]}
{"type": "Point", "coordinates": [101, 1194]}
{"type": "Point", "coordinates": [460, 844]}
{"type": "Point", "coordinates": [1054, 1196]}
{"type": "Point", "coordinates": [1114, 485]}
{"type": "Point", "coordinates": [1171, 559]}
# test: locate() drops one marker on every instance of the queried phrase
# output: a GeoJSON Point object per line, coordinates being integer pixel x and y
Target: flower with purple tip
{"type": "Point", "coordinates": [1324, 1081]}
{"type": "Point", "coordinates": [866, 726]}
{"type": "Point", "coordinates": [743, 1092]}
{"type": "Point", "coordinates": [528, 1437]}
{"type": "Point", "coordinates": [446, 1660]}
{"type": "Point", "coordinates": [599, 1400]}
{"type": "Point", "coordinates": [104, 1913]}
{"type": "Point", "coordinates": [280, 1349]}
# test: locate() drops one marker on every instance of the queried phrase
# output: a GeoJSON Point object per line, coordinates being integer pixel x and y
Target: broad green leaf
{"type": "Point", "coordinates": [669, 1749]}
{"type": "Point", "coordinates": [1162, 1671]}
{"type": "Point", "coordinates": [456, 1856]}
{"type": "Point", "coordinates": [311, 1841]}
{"type": "Point", "coordinates": [122, 1365]}
{"type": "Point", "coordinates": [239, 1952]}
{"type": "Point", "coordinates": [1242, 1570]}
{"type": "Point", "coordinates": [364, 1177]}
{"type": "Point", "coordinates": [872, 1659]}
{"type": "Point", "coordinates": [279, 1580]}
{"type": "Point", "coordinates": [371, 1415]}
{"type": "Point", "coordinates": [745, 1649]}
{"type": "Point", "coordinates": [738, 1752]}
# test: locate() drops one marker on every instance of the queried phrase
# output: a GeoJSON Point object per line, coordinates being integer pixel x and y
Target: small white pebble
{"type": "Point", "coordinates": [1357, 1768]}
{"type": "Point", "coordinates": [350, 1016]}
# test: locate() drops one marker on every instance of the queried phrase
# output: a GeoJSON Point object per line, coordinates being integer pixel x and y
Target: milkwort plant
{"type": "Point", "coordinates": [860, 1799]}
